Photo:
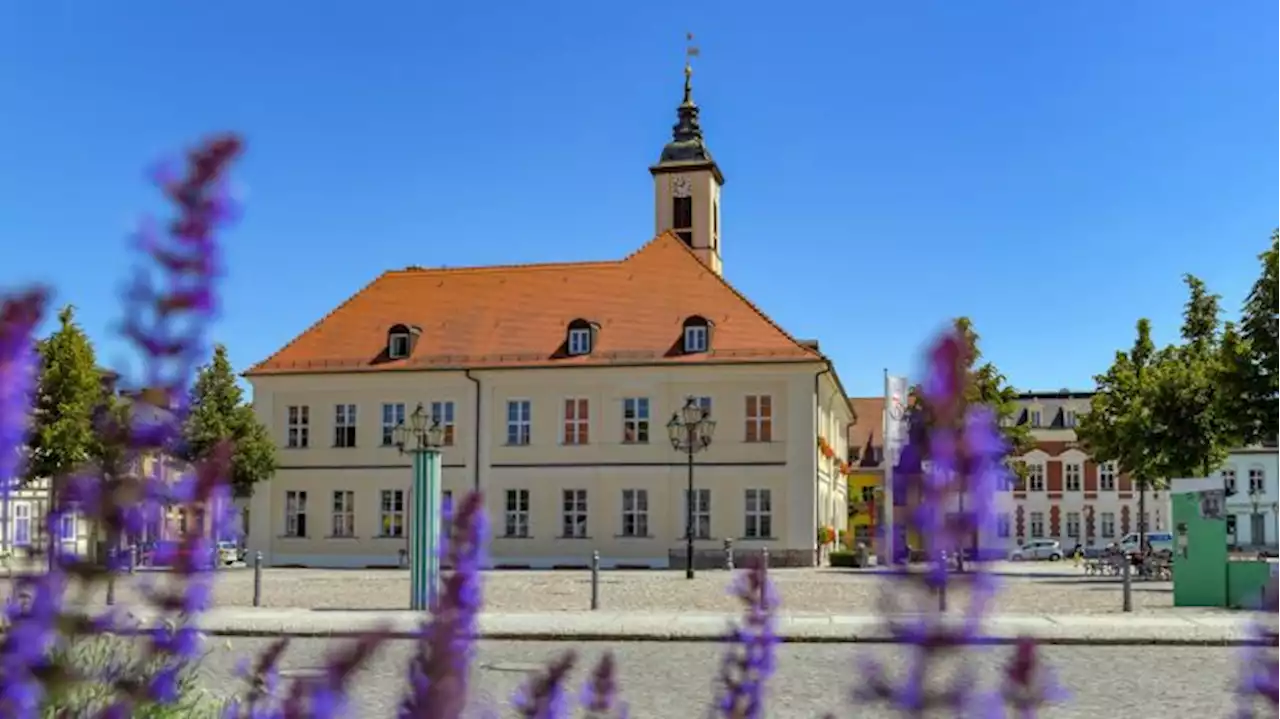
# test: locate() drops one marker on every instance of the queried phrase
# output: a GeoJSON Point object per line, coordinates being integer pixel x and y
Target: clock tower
{"type": "Point", "coordinates": [686, 184]}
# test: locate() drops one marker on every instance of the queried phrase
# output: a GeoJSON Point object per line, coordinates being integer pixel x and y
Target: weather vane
{"type": "Point", "coordinates": [691, 51]}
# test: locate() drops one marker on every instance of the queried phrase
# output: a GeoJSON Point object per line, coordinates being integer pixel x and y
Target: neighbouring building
{"type": "Point", "coordinates": [866, 469]}
{"type": "Point", "coordinates": [1068, 496]}
{"type": "Point", "coordinates": [554, 384]}
{"type": "Point", "coordinates": [23, 513]}
{"type": "Point", "coordinates": [1249, 478]}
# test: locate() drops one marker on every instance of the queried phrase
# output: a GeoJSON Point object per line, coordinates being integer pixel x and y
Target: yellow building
{"type": "Point", "coordinates": [554, 384]}
{"type": "Point", "coordinates": [866, 468]}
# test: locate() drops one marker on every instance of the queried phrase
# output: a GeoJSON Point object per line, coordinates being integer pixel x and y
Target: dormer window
{"type": "Point", "coordinates": [398, 345]}
{"type": "Point", "coordinates": [697, 335]}
{"type": "Point", "coordinates": [581, 339]}
{"type": "Point", "coordinates": [400, 341]}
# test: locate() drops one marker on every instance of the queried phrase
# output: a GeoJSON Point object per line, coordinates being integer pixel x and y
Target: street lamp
{"type": "Point", "coordinates": [690, 431]}
{"type": "Point", "coordinates": [1256, 495]}
{"type": "Point", "coordinates": [423, 441]}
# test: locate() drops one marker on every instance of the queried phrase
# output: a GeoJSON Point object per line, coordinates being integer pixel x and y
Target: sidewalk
{"type": "Point", "coordinates": [1194, 630]}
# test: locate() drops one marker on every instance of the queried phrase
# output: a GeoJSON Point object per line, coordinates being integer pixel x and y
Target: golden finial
{"type": "Point", "coordinates": [690, 52]}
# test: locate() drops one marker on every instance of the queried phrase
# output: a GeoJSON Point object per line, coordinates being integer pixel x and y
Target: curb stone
{"type": "Point", "coordinates": [799, 628]}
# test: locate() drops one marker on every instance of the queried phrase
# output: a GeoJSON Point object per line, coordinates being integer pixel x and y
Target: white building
{"type": "Point", "coordinates": [1250, 478]}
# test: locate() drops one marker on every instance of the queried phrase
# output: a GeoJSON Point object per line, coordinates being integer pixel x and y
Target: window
{"type": "Point", "coordinates": [1068, 418]}
{"type": "Point", "coordinates": [442, 414]}
{"type": "Point", "coordinates": [759, 514]}
{"type": "Point", "coordinates": [701, 513]}
{"type": "Point", "coordinates": [573, 515]}
{"type": "Point", "coordinates": [1108, 525]}
{"type": "Point", "coordinates": [344, 514]}
{"type": "Point", "coordinates": [22, 524]}
{"type": "Point", "coordinates": [1107, 476]}
{"type": "Point", "coordinates": [1034, 416]}
{"type": "Point", "coordinates": [519, 413]}
{"type": "Point", "coordinates": [635, 512]}
{"type": "Point", "coordinates": [1257, 480]}
{"type": "Point", "coordinates": [1073, 525]}
{"type": "Point", "coordinates": [392, 513]}
{"type": "Point", "coordinates": [577, 421]}
{"type": "Point", "coordinates": [1231, 526]}
{"type": "Point", "coordinates": [682, 218]}
{"type": "Point", "coordinates": [695, 338]}
{"type": "Point", "coordinates": [68, 525]}
{"type": "Point", "coordinates": [580, 341]}
{"type": "Point", "coordinates": [1229, 481]}
{"type": "Point", "coordinates": [704, 403]}
{"type": "Point", "coordinates": [759, 418]}
{"type": "Point", "coordinates": [298, 427]}
{"type": "Point", "coordinates": [295, 514]}
{"type": "Point", "coordinates": [398, 345]}
{"type": "Point", "coordinates": [446, 503]}
{"type": "Point", "coordinates": [1035, 477]}
{"type": "Point", "coordinates": [517, 515]}
{"type": "Point", "coordinates": [869, 493]}
{"type": "Point", "coordinates": [1037, 525]}
{"type": "Point", "coordinates": [1071, 473]}
{"type": "Point", "coordinates": [635, 420]}
{"type": "Point", "coordinates": [392, 416]}
{"type": "Point", "coordinates": [1002, 525]}
{"type": "Point", "coordinates": [344, 425]}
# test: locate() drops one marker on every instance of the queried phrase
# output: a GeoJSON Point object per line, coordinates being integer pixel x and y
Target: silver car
{"type": "Point", "coordinates": [1049, 549]}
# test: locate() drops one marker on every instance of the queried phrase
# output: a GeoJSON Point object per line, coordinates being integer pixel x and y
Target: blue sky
{"type": "Point", "coordinates": [1048, 168]}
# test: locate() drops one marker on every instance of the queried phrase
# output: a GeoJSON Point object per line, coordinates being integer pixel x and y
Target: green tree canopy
{"type": "Point", "coordinates": [68, 394]}
{"type": "Point", "coordinates": [1191, 403]}
{"type": "Point", "coordinates": [1260, 397]}
{"type": "Point", "coordinates": [1119, 426]}
{"type": "Point", "coordinates": [987, 386]}
{"type": "Point", "coordinates": [219, 413]}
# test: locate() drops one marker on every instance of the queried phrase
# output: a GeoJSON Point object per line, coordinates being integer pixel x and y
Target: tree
{"type": "Point", "coordinates": [987, 386]}
{"type": "Point", "coordinates": [68, 394]}
{"type": "Point", "coordinates": [1119, 426]}
{"type": "Point", "coordinates": [219, 413]}
{"type": "Point", "coordinates": [1191, 401]}
{"type": "Point", "coordinates": [1257, 406]}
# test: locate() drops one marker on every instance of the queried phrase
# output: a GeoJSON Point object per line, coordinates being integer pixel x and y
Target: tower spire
{"type": "Point", "coordinates": [686, 135]}
{"type": "Point", "coordinates": [690, 52]}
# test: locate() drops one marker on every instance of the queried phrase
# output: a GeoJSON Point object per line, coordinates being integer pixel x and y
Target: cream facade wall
{"type": "Point", "coordinates": [534, 477]}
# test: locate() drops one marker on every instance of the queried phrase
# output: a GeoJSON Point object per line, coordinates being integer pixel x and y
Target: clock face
{"type": "Point", "coordinates": [681, 186]}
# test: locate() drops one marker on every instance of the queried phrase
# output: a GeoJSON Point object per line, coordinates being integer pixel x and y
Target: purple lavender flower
{"type": "Point", "coordinates": [544, 696]}
{"type": "Point", "coordinates": [955, 495]}
{"type": "Point", "coordinates": [19, 316]}
{"type": "Point", "coordinates": [749, 661]}
{"type": "Point", "coordinates": [1259, 680]}
{"type": "Point", "coordinates": [600, 693]}
{"type": "Point", "coordinates": [439, 673]}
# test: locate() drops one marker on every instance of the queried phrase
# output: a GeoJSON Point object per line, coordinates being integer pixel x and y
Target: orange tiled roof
{"type": "Point", "coordinates": [507, 316]}
{"type": "Point", "coordinates": [868, 430]}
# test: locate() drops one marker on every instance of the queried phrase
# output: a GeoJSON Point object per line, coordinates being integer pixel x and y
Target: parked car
{"type": "Point", "coordinates": [1049, 549]}
{"type": "Point", "coordinates": [1160, 542]}
{"type": "Point", "coordinates": [229, 553]}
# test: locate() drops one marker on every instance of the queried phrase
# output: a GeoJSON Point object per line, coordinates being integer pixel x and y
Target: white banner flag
{"type": "Point", "coordinates": [895, 418]}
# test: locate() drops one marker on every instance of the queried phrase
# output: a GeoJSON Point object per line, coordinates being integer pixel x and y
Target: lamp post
{"type": "Point", "coordinates": [423, 441]}
{"type": "Point", "coordinates": [1255, 502]}
{"type": "Point", "coordinates": [690, 431]}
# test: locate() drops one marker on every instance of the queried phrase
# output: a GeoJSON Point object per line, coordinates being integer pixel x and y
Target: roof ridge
{"type": "Point", "coordinates": [671, 236]}
{"type": "Point", "coordinates": [316, 324]}
{"type": "Point", "coordinates": [478, 269]}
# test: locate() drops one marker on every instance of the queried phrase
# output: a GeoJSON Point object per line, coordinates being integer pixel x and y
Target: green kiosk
{"type": "Point", "coordinates": [1204, 573]}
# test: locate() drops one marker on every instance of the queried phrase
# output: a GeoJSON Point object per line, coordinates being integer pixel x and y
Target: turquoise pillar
{"type": "Point", "coordinates": [424, 529]}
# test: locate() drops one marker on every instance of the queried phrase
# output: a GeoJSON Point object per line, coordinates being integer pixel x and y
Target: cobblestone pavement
{"type": "Point", "coordinates": [661, 680]}
{"type": "Point", "coordinates": [801, 590]}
